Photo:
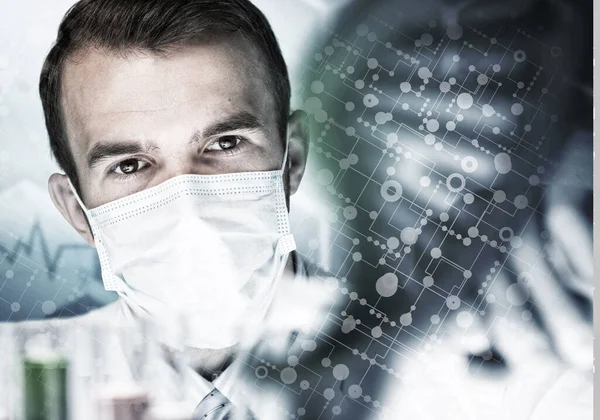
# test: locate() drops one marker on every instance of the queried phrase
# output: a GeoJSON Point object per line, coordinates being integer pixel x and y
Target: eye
{"type": "Point", "coordinates": [129, 166]}
{"type": "Point", "coordinates": [224, 143]}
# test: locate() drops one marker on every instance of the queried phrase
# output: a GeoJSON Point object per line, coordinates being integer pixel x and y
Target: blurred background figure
{"type": "Point", "coordinates": [454, 150]}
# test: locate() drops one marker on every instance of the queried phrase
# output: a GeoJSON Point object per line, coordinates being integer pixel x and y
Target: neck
{"type": "Point", "coordinates": [291, 266]}
{"type": "Point", "coordinates": [211, 363]}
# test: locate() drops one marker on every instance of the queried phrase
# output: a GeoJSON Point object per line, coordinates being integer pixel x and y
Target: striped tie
{"type": "Point", "coordinates": [215, 406]}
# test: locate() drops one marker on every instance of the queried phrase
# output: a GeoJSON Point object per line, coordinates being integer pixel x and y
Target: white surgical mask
{"type": "Point", "coordinates": [204, 249]}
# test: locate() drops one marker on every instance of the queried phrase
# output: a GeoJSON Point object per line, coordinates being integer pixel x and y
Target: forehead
{"type": "Point", "coordinates": [120, 93]}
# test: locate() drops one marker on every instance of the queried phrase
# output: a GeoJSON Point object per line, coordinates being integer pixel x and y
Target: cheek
{"type": "Point", "coordinates": [98, 196]}
{"type": "Point", "coordinates": [253, 161]}
{"type": "Point", "coordinates": [98, 193]}
{"type": "Point", "coordinates": [275, 152]}
{"type": "Point", "coordinates": [273, 157]}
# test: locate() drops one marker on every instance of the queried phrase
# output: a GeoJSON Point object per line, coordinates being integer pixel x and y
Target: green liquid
{"type": "Point", "coordinates": [45, 389]}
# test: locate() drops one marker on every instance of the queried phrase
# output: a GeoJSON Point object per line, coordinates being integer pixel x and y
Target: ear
{"type": "Point", "coordinates": [66, 203]}
{"type": "Point", "coordinates": [298, 141]}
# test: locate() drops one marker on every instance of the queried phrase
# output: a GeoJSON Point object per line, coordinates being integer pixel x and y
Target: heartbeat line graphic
{"type": "Point", "coordinates": [50, 261]}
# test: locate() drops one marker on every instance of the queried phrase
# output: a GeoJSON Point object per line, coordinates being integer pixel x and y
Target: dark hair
{"type": "Point", "coordinates": [156, 26]}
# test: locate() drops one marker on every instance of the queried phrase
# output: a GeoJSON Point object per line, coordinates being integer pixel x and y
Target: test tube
{"type": "Point", "coordinates": [121, 401]}
{"type": "Point", "coordinates": [167, 370]}
{"type": "Point", "coordinates": [169, 387]}
{"type": "Point", "coordinates": [44, 367]}
{"type": "Point", "coordinates": [119, 393]}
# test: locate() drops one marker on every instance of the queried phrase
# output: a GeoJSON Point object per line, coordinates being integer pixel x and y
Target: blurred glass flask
{"type": "Point", "coordinates": [168, 371]}
{"type": "Point", "coordinates": [119, 354]}
{"type": "Point", "coordinates": [44, 369]}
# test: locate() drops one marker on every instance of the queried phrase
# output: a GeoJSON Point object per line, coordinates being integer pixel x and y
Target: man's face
{"type": "Point", "coordinates": [135, 120]}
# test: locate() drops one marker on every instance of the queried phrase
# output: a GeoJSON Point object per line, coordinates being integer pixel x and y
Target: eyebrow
{"type": "Point", "coordinates": [101, 151]}
{"type": "Point", "coordinates": [241, 121]}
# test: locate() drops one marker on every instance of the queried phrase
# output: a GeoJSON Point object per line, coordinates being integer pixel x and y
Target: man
{"type": "Point", "coordinates": [171, 120]}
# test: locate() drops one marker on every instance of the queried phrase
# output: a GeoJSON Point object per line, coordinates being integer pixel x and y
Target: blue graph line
{"type": "Point", "coordinates": [51, 261]}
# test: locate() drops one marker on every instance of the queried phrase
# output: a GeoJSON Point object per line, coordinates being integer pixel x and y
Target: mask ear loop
{"type": "Point", "coordinates": [119, 284]}
{"type": "Point", "coordinates": [74, 191]}
{"type": "Point", "coordinates": [285, 154]}
{"type": "Point", "coordinates": [85, 211]}
{"type": "Point", "coordinates": [285, 245]}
